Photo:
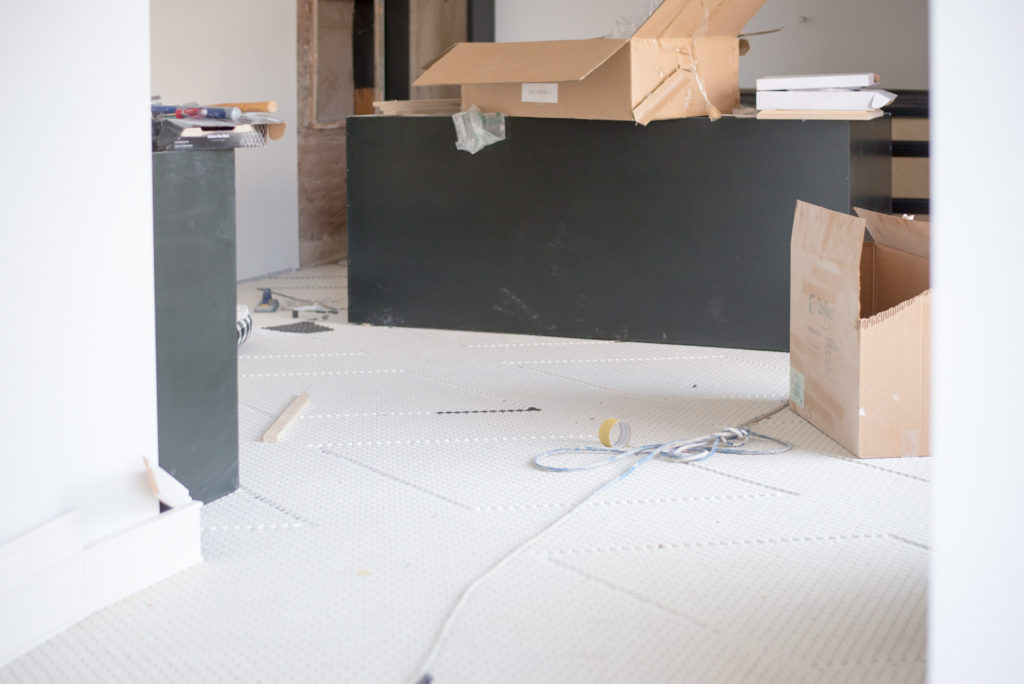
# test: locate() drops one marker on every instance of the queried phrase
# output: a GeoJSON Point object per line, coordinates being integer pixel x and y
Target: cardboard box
{"type": "Point", "coordinates": [860, 321]}
{"type": "Point", "coordinates": [685, 56]}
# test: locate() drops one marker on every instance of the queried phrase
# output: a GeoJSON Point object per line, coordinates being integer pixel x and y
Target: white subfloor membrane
{"type": "Point", "coordinates": [409, 475]}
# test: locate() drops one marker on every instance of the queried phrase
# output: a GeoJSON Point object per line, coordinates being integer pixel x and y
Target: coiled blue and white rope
{"type": "Point", "coordinates": [733, 440]}
{"type": "Point", "coordinates": [728, 441]}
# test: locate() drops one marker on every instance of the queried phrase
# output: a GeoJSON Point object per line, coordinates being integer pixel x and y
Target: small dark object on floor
{"type": "Point", "coordinates": [303, 327]}
{"type": "Point", "coordinates": [425, 679]}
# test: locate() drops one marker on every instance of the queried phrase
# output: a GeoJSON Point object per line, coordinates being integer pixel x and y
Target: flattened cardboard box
{"type": "Point", "coordinates": [683, 58]}
{"type": "Point", "coordinates": [860, 320]}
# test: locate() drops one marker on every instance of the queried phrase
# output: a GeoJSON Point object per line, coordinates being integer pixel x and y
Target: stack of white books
{"type": "Point", "coordinates": [821, 96]}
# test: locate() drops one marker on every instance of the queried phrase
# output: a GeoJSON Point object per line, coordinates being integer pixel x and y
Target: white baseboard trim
{"type": "Point", "coordinates": [49, 579]}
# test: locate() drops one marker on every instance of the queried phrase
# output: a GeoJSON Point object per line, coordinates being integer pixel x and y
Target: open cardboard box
{"type": "Point", "coordinates": [683, 61]}
{"type": "Point", "coordinates": [860, 322]}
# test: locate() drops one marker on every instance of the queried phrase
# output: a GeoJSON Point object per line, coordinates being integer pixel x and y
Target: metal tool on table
{"type": "Point", "coordinates": [303, 305]}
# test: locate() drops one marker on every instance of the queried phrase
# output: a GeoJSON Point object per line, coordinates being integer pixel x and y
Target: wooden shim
{"type": "Point", "coordinates": [285, 420]}
{"type": "Point", "coordinates": [165, 488]}
{"type": "Point", "coordinates": [407, 107]}
{"type": "Point", "coordinates": [827, 114]}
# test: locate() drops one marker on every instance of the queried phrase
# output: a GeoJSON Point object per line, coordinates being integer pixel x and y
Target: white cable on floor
{"type": "Point", "coordinates": [730, 440]}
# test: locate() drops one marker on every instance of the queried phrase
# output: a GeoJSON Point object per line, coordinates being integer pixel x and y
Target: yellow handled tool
{"type": "Point", "coordinates": [266, 106]}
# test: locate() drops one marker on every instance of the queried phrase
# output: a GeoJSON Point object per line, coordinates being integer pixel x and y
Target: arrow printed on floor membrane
{"type": "Point", "coordinates": [520, 410]}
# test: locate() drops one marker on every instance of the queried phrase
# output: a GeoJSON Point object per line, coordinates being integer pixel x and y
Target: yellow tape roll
{"type": "Point", "coordinates": [604, 433]}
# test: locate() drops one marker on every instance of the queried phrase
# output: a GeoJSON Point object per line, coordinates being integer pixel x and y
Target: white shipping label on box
{"type": "Point", "coordinates": [796, 387]}
{"type": "Point", "coordinates": [540, 92]}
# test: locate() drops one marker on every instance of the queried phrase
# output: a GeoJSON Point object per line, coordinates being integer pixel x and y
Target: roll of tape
{"type": "Point", "coordinates": [604, 433]}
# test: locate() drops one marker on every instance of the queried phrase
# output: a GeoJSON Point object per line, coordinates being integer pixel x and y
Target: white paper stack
{"type": "Point", "coordinates": [821, 96]}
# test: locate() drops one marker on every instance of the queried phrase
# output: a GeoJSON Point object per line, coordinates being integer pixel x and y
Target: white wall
{"type": "Point", "coordinates": [889, 37]}
{"type": "Point", "coordinates": [977, 595]}
{"type": "Point", "coordinates": [240, 50]}
{"type": "Point", "coordinates": [516, 20]}
{"type": "Point", "coordinates": [77, 350]}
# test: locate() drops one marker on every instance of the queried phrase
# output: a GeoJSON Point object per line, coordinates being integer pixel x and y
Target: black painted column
{"type": "Point", "coordinates": [196, 342]}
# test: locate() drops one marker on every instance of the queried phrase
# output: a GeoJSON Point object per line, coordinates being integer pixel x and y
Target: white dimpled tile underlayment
{"type": "Point", "coordinates": [409, 475]}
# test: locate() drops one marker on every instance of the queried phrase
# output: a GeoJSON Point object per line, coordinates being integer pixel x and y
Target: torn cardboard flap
{"type": "Point", "coordinates": [683, 61]}
{"type": "Point", "coordinates": [895, 389]}
{"type": "Point", "coordinates": [860, 320]}
{"type": "Point", "coordinates": [905, 235]}
{"type": "Point", "coordinates": [538, 62]}
{"type": "Point", "coordinates": [829, 235]}
{"type": "Point", "coordinates": [824, 342]}
{"type": "Point", "coordinates": [165, 487]}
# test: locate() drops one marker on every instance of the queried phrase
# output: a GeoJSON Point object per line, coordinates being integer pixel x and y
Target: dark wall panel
{"type": "Point", "coordinates": [481, 21]}
{"type": "Point", "coordinates": [396, 50]}
{"type": "Point", "coordinates": [676, 232]}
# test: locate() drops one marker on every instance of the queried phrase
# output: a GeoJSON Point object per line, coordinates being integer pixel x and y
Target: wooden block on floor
{"type": "Point", "coordinates": [286, 419]}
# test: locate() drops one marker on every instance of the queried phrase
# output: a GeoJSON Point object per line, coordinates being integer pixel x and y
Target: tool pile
{"type": "Point", "coordinates": [226, 125]}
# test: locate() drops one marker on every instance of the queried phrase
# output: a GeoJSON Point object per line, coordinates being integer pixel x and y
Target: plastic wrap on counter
{"type": "Point", "coordinates": [475, 130]}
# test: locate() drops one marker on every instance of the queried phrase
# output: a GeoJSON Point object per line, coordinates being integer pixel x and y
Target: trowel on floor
{"type": "Point", "coordinates": [267, 303]}
{"type": "Point", "coordinates": [305, 305]}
